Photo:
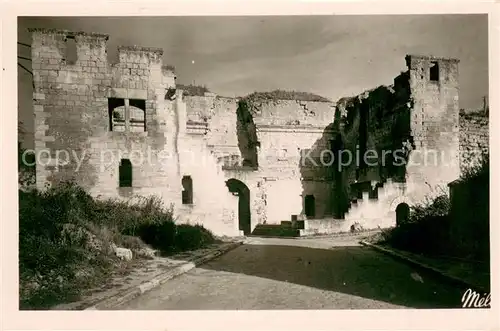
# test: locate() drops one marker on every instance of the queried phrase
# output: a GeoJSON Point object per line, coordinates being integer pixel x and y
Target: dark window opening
{"type": "Point", "coordinates": [373, 193]}
{"type": "Point", "coordinates": [116, 116]}
{"type": "Point", "coordinates": [125, 171]}
{"type": "Point", "coordinates": [187, 193]}
{"type": "Point", "coordinates": [434, 72]}
{"type": "Point", "coordinates": [310, 206]}
{"type": "Point", "coordinates": [137, 115]}
{"type": "Point", "coordinates": [71, 53]}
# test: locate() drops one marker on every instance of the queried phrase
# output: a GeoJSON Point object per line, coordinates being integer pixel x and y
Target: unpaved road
{"type": "Point", "coordinates": [334, 273]}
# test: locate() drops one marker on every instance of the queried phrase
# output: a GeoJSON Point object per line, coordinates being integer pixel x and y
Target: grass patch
{"type": "Point", "coordinates": [66, 240]}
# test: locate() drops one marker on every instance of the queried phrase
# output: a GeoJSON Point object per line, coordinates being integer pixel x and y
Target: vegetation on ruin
{"type": "Point", "coordinates": [479, 173]}
{"type": "Point", "coordinates": [192, 90]}
{"type": "Point", "coordinates": [260, 97]}
{"type": "Point", "coordinates": [473, 114]}
{"type": "Point", "coordinates": [66, 240]}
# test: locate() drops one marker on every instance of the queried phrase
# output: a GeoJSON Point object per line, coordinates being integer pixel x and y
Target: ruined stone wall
{"type": "Point", "coordinates": [292, 135]}
{"type": "Point", "coordinates": [283, 130]}
{"type": "Point", "coordinates": [202, 145]}
{"type": "Point", "coordinates": [474, 139]}
{"type": "Point", "coordinates": [417, 117]}
{"type": "Point", "coordinates": [71, 108]}
{"type": "Point", "coordinates": [275, 147]}
{"type": "Point", "coordinates": [375, 124]}
{"type": "Point", "coordinates": [72, 114]}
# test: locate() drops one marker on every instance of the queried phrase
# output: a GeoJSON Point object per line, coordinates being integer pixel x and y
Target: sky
{"type": "Point", "coordinates": [333, 56]}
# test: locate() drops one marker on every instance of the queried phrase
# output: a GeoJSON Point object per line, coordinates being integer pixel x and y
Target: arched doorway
{"type": "Point", "coordinates": [239, 189]}
{"type": "Point", "coordinates": [402, 213]}
{"type": "Point", "coordinates": [310, 206]}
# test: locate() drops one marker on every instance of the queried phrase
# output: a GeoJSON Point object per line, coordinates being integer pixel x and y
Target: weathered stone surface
{"type": "Point", "coordinates": [474, 139]}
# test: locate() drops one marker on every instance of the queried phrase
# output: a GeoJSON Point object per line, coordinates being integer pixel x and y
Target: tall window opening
{"type": "Point", "coordinates": [434, 72]}
{"type": "Point", "coordinates": [187, 193]}
{"type": "Point", "coordinates": [125, 173]}
{"type": "Point", "coordinates": [71, 53]}
{"type": "Point", "coordinates": [310, 206]}
{"type": "Point", "coordinates": [116, 112]}
{"type": "Point", "coordinates": [137, 115]}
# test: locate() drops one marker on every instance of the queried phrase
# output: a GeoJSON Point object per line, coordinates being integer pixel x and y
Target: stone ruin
{"type": "Point", "coordinates": [231, 164]}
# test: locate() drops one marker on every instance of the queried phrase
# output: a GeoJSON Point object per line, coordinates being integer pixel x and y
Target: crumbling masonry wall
{"type": "Point", "coordinates": [72, 117]}
{"type": "Point", "coordinates": [474, 139]}
{"type": "Point", "coordinates": [278, 132]}
{"type": "Point", "coordinates": [415, 121]}
{"type": "Point", "coordinates": [71, 109]}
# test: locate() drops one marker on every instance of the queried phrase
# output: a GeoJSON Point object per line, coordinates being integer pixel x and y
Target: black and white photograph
{"type": "Point", "coordinates": [229, 163]}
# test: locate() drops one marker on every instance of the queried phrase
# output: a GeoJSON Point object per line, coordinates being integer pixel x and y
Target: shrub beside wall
{"type": "Point", "coordinates": [427, 229]}
{"type": "Point", "coordinates": [66, 238]}
{"type": "Point", "coordinates": [457, 226]}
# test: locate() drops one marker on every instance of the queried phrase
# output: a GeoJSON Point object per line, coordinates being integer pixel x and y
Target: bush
{"type": "Point", "coordinates": [65, 239]}
{"type": "Point", "coordinates": [189, 237]}
{"type": "Point", "coordinates": [160, 233]}
{"type": "Point", "coordinates": [429, 235]}
{"type": "Point", "coordinates": [440, 206]}
{"type": "Point", "coordinates": [427, 229]}
{"type": "Point", "coordinates": [55, 246]}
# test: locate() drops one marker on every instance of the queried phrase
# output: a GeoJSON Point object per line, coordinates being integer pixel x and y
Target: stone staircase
{"type": "Point", "coordinates": [374, 209]}
{"type": "Point", "coordinates": [285, 229]}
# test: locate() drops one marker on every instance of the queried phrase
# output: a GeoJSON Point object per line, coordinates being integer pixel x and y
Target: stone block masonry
{"type": "Point", "coordinates": [417, 116]}
{"type": "Point", "coordinates": [474, 139]}
{"type": "Point", "coordinates": [124, 129]}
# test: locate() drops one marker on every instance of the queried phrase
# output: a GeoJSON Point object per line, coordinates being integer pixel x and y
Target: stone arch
{"type": "Point", "coordinates": [398, 200]}
{"type": "Point", "coordinates": [239, 189]}
{"type": "Point", "coordinates": [402, 213]}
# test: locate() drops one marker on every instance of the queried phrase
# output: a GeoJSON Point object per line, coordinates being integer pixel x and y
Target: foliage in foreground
{"type": "Point", "coordinates": [66, 237]}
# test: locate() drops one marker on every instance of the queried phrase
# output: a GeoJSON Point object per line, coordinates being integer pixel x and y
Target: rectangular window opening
{"type": "Point", "coordinates": [71, 53]}
{"type": "Point", "coordinates": [125, 173]}
{"type": "Point", "coordinates": [116, 114]}
{"type": "Point", "coordinates": [434, 72]}
{"type": "Point", "coordinates": [137, 110]}
{"type": "Point", "coordinates": [187, 193]}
